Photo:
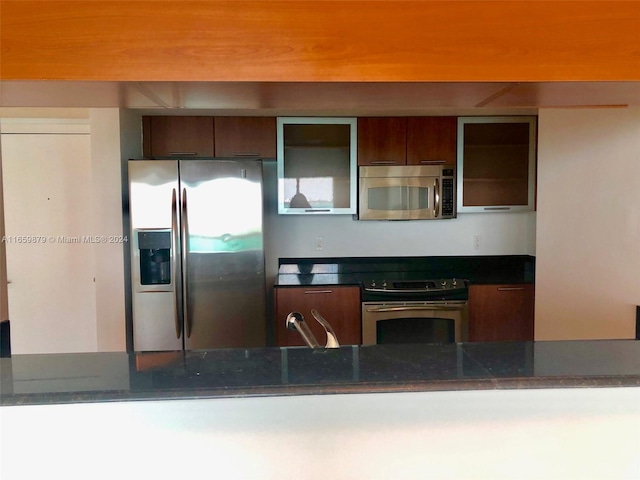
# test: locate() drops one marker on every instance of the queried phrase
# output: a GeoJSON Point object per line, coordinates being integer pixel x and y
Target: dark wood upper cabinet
{"type": "Point", "coordinates": [407, 141]}
{"type": "Point", "coordinates": [193, 136]}
{"type": "Point", "coordinates": [501, 313]}
{"type": "Point", "coordinates": [431, 140]}
{"type": "Point", "coordinates": [165, 136]}
{"type": "Point", "coordinates": [382, 141]}
{"type": "Point", "coordinates": [250, 137]}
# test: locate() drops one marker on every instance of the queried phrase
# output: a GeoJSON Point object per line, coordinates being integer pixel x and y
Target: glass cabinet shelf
{"type": "Point", "coordinates": [496, 164]}
{"type": "Point", "coordinates": [317, 165]}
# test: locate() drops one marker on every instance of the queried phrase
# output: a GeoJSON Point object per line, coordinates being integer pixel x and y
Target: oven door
{"type": "Point", "coordinates": [414, 322]}
{"type": "Point", "coordinates": [399, 198]}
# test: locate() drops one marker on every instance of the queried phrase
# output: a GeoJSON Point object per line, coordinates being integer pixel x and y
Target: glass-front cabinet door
{"type": "Point", "coordinates": [496, 164]}
{"type": "Point", "coordinates": [317, 165]}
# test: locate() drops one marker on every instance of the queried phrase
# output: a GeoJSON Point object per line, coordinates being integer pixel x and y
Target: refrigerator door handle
{"type": "Point", "coordinates": [185, 264]}
{"type": "Point", "coordinates": [175, 247]}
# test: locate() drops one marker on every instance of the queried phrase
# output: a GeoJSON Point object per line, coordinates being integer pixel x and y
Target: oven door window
{"type": "Point", "coordinates": [414, 322]}
{"type": "Point", "coordinates": [415, 330]}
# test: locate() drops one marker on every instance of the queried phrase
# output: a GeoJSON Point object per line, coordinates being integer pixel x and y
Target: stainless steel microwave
{"type": "Point", "coordinates": [420, 192]}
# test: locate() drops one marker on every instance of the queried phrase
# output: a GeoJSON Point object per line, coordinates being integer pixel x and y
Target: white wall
{"type": "Point", "coordinates": [502, 234]}
{"type": "Point", "coordinates": [107, 222]}
{"type": "Point", "coordinates": [569, 434]}
{"type": "Point", "coordinates": [588, 225]}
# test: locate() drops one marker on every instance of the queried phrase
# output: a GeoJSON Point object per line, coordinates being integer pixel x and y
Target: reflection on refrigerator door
{"type": "Point", "coordinates": [197, 254]}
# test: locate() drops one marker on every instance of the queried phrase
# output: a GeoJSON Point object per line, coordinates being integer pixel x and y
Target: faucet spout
{"type": "Point", "coordinates": [295, 321]}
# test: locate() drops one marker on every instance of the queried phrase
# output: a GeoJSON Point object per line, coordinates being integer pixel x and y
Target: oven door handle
{"type": "Point", "coordinates": [416, 308]}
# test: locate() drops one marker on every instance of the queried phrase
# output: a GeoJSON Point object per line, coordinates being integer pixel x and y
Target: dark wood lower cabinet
{"type": "Point", "coordinates": [501, 313]}
{"type": "Point", "coordinates": [340, 306]}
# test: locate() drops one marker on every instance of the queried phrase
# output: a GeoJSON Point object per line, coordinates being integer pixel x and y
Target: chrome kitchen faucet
{"type": "Point", "coordinates": [295, 321]}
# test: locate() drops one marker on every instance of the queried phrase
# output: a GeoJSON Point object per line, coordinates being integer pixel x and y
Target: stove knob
{"type": "Point", "coordinates": [373, 284]}
{"type": "Point", "coordinates": [454, 282]}
{"type": "Point", "coordinates": [384, 284]}
{"type": "Point", "coordinates": [443, 283]}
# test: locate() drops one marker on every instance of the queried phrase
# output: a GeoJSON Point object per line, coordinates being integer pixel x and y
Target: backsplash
{"type": "Point", "coordinates": [340, 236]}
{"type": "Point", "coordinates": [296, 236]}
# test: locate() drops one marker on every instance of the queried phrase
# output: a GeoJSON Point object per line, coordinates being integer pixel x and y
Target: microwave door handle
{"type": "Point", "coordinates": [436, 197]}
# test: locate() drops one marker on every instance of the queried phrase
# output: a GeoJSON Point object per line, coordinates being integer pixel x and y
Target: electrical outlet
{"type": "Point", "coordinates": [476, 242]}
{"type": "Point", "coordinates": [318, 243]}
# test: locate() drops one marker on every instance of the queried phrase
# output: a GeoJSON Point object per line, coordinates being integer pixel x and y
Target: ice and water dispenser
{"type": "Point", "coordinates": [154, 249]}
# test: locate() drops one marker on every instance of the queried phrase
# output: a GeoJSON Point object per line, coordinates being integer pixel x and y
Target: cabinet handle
{"type": "Point", "coordinates": [509, 289]}
{"type": "Point", "coordinates": [383, 162]}
{"type": "Point", "coordinates": [310, 292]}
{"type": "Point", "coordinates": [317, 210]}
{"type": "Point", "coordinates": [497, 208]}
{"type": "Point", "coordinates": [433, 162]}
{"type": "Point", "coordinates": [182, 153]}
{"type": "Point", "coordinates": [241, 154]}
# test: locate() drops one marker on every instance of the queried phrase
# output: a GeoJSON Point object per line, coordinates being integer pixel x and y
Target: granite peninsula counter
{"type": "Point", "coordinates": [106, 377]}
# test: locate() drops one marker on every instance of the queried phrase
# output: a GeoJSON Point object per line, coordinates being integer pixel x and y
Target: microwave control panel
{"type": "Point", "coordinates": [448, 197]}
{"type": "Point", "coordinates": [448, 193]}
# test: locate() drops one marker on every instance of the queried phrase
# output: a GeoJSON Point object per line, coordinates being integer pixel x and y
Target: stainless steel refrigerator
{"type": "Point", "coordinates": [197, 260]}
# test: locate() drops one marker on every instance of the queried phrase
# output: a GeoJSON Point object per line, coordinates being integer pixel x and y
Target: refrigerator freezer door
{"type": "Point", "coordinates": [224, 268]}
{"type": "Point", "coordinates": [155, 266]}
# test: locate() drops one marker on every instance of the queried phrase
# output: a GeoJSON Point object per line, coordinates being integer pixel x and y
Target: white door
{"type": "Point", "coordinates": [50, 262]}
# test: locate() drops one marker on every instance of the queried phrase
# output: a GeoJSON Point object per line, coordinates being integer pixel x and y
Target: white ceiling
{"type": "Point", "coordinates": [294, 98]}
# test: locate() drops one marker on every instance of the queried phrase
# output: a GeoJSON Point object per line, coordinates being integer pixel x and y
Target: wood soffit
{"type": "Point", "coordinates": [320, 41]}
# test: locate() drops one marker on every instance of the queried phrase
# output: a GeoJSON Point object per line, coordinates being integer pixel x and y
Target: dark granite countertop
{"type": "Point", "coordinates": [490, 269]}
{"type": "Point", "coordinates": [100, 377]}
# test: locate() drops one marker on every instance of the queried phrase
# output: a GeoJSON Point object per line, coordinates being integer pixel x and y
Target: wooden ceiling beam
{"type": "Point", "coordinates": [320, 41]}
